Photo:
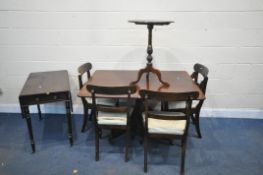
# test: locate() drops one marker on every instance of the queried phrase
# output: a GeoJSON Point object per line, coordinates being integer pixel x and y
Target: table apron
{"type": "Point", "coordinates": [44, 98]}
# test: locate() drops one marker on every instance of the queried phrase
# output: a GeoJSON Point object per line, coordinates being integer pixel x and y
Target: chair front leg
{"type": "Point", "coordinates": [197, 118]}
{"type": "Point", "coordinates": [145, 142]}
{"type": "Point", "coordinates": [183, 155]}
{"type": "Point", "coordinates": [92, 112]}
{"type": "Point", "coordinates": [127, 144]}
{"type": "Point", "coordinates": [197, 125]}
{"type": "Point", "coordinates": [193, 119]}
{"type": "Point", "coordinates": [85, 117]}
{"type": "Point", "coordinates": [97, 143]}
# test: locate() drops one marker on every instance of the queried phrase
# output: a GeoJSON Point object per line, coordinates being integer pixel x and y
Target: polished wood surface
{"type": "Point", "coordinates": [151, 22]}
{"type": "Point", "coordinates": [46, 83]}
{"type": "Point", "coordinates": [180, 81]}
{"type": "Point", "coordinates": [46, 87]}
{"type": "Point", "coordinates": [118, 90]}
{"type": "Point", "coordinates": [200, 77]}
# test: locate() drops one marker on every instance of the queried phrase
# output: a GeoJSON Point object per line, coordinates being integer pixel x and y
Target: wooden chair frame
{"type": "Point", "coordinates": [125, 90]}
{"type": "Point", "coordinates": [85, 68]}
{"type": "Point", "coordinates": [166, 115]}
{"type": "Point", "coordinates": [202, 70]}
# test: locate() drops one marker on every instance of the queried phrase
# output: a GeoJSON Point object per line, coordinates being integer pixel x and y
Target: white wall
{"type": "Point", "coordinates": [225, 35]}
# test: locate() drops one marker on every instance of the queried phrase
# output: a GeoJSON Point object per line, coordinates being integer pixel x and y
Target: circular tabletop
{"type": "Point", "coordinates": [150, 22]}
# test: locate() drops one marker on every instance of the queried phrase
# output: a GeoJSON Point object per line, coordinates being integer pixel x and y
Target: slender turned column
{"type": "Point", "coordinates": [149, 67]}
{"type": "Point", "coordinates": [149, 47]}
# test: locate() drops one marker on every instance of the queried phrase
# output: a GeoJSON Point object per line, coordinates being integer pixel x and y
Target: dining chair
{"type": "Point", "coordinates": [200, 77]}
{"type": "Point", "coordinates": [199, 70]}
{"type": "Point", "coordinates": [166, 124]}
{"type": "Point", "coordinates": [84, 70]}
{"type": "Point", "coordinates": [87, 107]}
{"type": "Point", "coordinates": [112, 117]}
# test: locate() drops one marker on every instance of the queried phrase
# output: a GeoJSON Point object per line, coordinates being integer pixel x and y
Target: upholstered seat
{"type": "Point", "coordinates": [105, 118]}
{"type": "Point", "coordinates": [158, 126]}
{"type": "Point", "coordinates": [116, 116]}
{"type": "Point", "coordinates": [102, 101]}
{"type": "Point", "coordinates": [85, 69]}
{"type": "Point", "coordinates": [88, 100]}
{"type": "Point", "coordinates": [166, 124]}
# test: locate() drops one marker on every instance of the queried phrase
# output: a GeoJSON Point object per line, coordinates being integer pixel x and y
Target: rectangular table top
{"type": "Point", "coordinates": [46, 83]}
{"type": "Point", "coordinates": [180, 81]}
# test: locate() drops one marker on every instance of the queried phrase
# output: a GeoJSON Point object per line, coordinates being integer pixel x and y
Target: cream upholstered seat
{"type": "Point", "coordinates": [166, 124]}
{"type": "Point", "coordinates": [105, 118]}
{"type": "Point", "coordinates": [182, 104]}
{"type": "Point", "coordinates": [103, 101]}
{"type": "Point", "coordinates": [88, 100]}
{"type": "Point", "coordinates": [112, 116]}
{"type": "Point", "coordinates": [159, 126]}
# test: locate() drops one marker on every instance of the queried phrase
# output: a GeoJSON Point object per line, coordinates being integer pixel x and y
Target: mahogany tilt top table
{"type": "Point", "coordinates": [46, 87]}
{"type": "Point", "coordinates": [149, 67]}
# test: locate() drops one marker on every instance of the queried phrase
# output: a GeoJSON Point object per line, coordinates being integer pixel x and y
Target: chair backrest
{"type": "Point", "coordinates": [200, 69]}
{"type": "Point", "coordinates": [111, 91]}
{"type": "Point", "coordinates": [84, 68]}
{"type": "Point", "coordinates": [167, 96]}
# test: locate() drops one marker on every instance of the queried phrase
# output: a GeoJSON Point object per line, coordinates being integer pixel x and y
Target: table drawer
{"type": "Point", "coordinates": [44, 98]}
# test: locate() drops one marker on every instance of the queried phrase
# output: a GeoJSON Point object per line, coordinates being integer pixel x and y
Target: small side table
{"type": "Point", "coordinates": [149, 67]}
{"type": "Point", "coordinates": [46, 87]}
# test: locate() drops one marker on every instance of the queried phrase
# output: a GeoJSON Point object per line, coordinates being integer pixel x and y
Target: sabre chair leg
{"type": "Point", "coordinates": [193, 119]}
{"type": "Point", "coordinates": [183, 156]}
{"type": "Point", "coordinates": [91, 114]}
{"type": "Point", "coordinates": [197, 125]}
{"type": "Point", "coordinates": [127, 144]}
{"type": "Point", "coordinates": [97, 143]}
{"type": "Point", "coordinates": [85, 117]}
{"type": "Point", "coordinates": [145, 141]}
{"type": "Point", "coordinates": [85, 120]}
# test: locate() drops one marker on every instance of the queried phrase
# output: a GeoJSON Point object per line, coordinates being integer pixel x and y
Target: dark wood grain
{"type": "Point", "coordinates": [46, 87]}
{"type": "Point", "coordinates": [149, 67]}
{"type": "Point", "coordinates": [84, 70]}
{"type": "Point", "coordinates": [180, 81]}
{"type": "Point", "coordinates": [165, 115]}
{"type": "Point", "coordinates": [106, 90]}
{"type": "Point", "coordinates": [151, 22]}
{"type": "Point", "coordinates": [200, 77]}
